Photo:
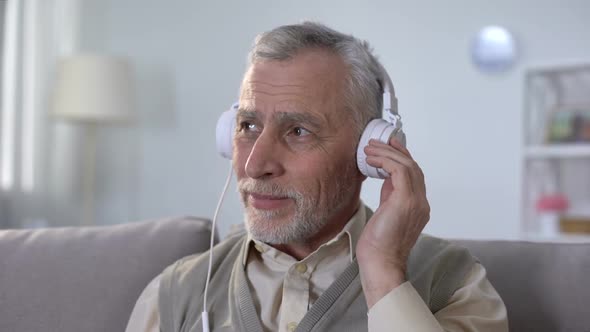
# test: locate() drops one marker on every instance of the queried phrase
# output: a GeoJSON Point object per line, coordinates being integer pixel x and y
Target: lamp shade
{"type": "Point", "coordinates": [93, 88]}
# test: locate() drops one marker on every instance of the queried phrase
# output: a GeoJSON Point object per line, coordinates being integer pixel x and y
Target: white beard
{"type": "Point", "coordinates": [310, 216]}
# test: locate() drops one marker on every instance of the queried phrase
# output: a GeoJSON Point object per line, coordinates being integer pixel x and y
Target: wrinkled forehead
{"type": "Point", "coordinates": [307, 84]}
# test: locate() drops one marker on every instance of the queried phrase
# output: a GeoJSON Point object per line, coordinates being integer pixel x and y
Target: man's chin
{"type": "Point", "coordinates": [271, 227]}
{"type": "Point", "coordinates": [267, 219]}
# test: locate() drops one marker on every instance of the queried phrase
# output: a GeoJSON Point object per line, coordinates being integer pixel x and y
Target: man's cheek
{"type": "Point", "coordinates": [240, 157]}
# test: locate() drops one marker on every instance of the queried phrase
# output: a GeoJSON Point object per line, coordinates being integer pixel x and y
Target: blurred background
{"type": "Point", "coordinates": [109, 107]}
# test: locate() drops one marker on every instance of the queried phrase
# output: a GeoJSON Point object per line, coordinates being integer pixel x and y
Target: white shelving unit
{"type": "Point", "coordinates": [555, 167]}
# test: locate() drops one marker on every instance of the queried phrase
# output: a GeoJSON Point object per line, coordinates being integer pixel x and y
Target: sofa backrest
{"type": "Point", "coordinates": [87, 278]}
{"type": "Point", "coordinates": [545, 286]}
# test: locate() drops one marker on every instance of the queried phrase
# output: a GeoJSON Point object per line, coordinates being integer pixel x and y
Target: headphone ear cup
{"type": "Point", "coordinates": [224, 132]}
{"type": "Point", "coordinates": [382, 131]}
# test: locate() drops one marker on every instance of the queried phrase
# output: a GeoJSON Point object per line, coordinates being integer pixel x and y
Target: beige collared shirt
{"type": "Point", "coordinates": [284, 289]}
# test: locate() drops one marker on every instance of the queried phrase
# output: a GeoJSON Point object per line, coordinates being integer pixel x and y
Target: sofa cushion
{"type": "Point", "coordinates": [545, 286]}
{"type": "Point", "coordinates": [87, 278]}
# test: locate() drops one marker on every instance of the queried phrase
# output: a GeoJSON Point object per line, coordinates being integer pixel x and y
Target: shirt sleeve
{"type": "Point", "coordinates": [145, 316]}
{"type": "Point", "coordinates": [475, 306]}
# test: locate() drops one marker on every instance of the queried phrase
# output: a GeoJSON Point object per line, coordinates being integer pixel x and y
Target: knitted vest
{"type": "Point", "coordinates": [436, 268]}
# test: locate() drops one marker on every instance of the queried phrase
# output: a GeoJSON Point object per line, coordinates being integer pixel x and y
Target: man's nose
{"type": "Point", "coordinates": [264, 159]}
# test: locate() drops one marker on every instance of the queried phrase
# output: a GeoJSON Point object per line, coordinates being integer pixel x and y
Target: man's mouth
{"type": "Point", "coordinates": [267, 202]}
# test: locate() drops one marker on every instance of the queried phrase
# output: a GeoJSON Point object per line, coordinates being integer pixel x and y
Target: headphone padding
{"type": "Point", "coordinates": [226, 125]}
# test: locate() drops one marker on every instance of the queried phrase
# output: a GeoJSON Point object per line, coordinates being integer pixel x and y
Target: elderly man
{"type": "Point", "coordinates": [314, 258]}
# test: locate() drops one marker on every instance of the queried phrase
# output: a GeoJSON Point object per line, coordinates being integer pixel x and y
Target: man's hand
{"type": "Point", "coordinates": [385, 244]}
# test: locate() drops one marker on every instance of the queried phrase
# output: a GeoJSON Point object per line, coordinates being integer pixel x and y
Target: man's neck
{"type": "Point", "coordinates": [301, 250]}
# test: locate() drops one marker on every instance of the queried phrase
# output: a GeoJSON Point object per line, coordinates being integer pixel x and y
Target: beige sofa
{"type": "Point", "coordinates": [87, 279]}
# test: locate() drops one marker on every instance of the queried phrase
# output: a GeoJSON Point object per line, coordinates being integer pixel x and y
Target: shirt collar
{"type": "Point", "coordinates": [352, 231]}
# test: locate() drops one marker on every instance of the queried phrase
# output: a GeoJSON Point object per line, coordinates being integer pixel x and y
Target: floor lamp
{"type": "Point", "coordinates": [91, 91]}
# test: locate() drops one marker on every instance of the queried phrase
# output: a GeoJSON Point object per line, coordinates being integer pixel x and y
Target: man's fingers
{"type": "Point", "coordinates": [379, 149]}
{"type": "Point", "coordinates": [395, 143]}
{"type": "Point", "coordinates": [400, 176]}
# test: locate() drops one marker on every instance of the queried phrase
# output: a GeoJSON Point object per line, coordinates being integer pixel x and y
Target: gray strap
{"type": "Point", "coordinates": [328, 298]}
{"type": "Point", "coordinates": [246, 309]}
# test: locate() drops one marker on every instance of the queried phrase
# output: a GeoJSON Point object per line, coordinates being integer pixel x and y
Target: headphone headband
{"type": "Point", "coordinates": [389, 111]}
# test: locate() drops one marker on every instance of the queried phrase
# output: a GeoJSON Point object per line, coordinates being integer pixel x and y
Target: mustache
{"type": "Point", "coordinates": [267, 188]}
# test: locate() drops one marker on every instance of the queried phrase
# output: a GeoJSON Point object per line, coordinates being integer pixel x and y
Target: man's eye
{"type": "Point", "coordinates": [247, 126]}
{"type": "Point", "coordinates": [300, 131]}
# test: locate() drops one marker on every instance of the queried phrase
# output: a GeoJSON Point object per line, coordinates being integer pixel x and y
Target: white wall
{"type": "Point", "coordinates": [464, 128]}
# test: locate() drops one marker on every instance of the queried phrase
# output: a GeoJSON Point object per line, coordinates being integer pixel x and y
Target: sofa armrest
{"type": "Point", "coordinates": [87, 278]}
{"type": "Point", "coordinates": [543, 284]}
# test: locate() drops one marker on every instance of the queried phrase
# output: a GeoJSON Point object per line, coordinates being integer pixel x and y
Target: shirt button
{"type": "Point", "coordinates": [301, 268]}
{"type": "Point", "coordinates": [259, 248]}
{"type": "Point", "coordinates": [292, 326]}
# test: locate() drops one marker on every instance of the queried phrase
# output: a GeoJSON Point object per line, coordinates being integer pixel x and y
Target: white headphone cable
{"type": "Point", "coordinates": [205, 314]}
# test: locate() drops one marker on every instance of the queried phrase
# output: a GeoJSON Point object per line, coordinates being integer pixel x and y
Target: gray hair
{"type": "Point", "coordinates": [363, 94]}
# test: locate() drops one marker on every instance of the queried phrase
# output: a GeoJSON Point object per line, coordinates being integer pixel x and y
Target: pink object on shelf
{"type": "Point", "coordinates": [552, 203]}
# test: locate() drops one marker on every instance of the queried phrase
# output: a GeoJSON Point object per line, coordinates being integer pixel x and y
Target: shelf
{"type": "Point", "coordinates": [560, 238]}
{"type": "Point", "coordinates": [558, 68]}
{"type": "Point", "coordinates": [580, 150]}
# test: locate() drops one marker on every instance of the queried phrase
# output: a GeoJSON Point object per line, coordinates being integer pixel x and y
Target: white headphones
{"type": "Point", "coordinates": [390, 125]}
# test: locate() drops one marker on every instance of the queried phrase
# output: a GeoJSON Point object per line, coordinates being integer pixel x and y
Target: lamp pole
{"type": "Point", "coordinates": [89, 174]}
